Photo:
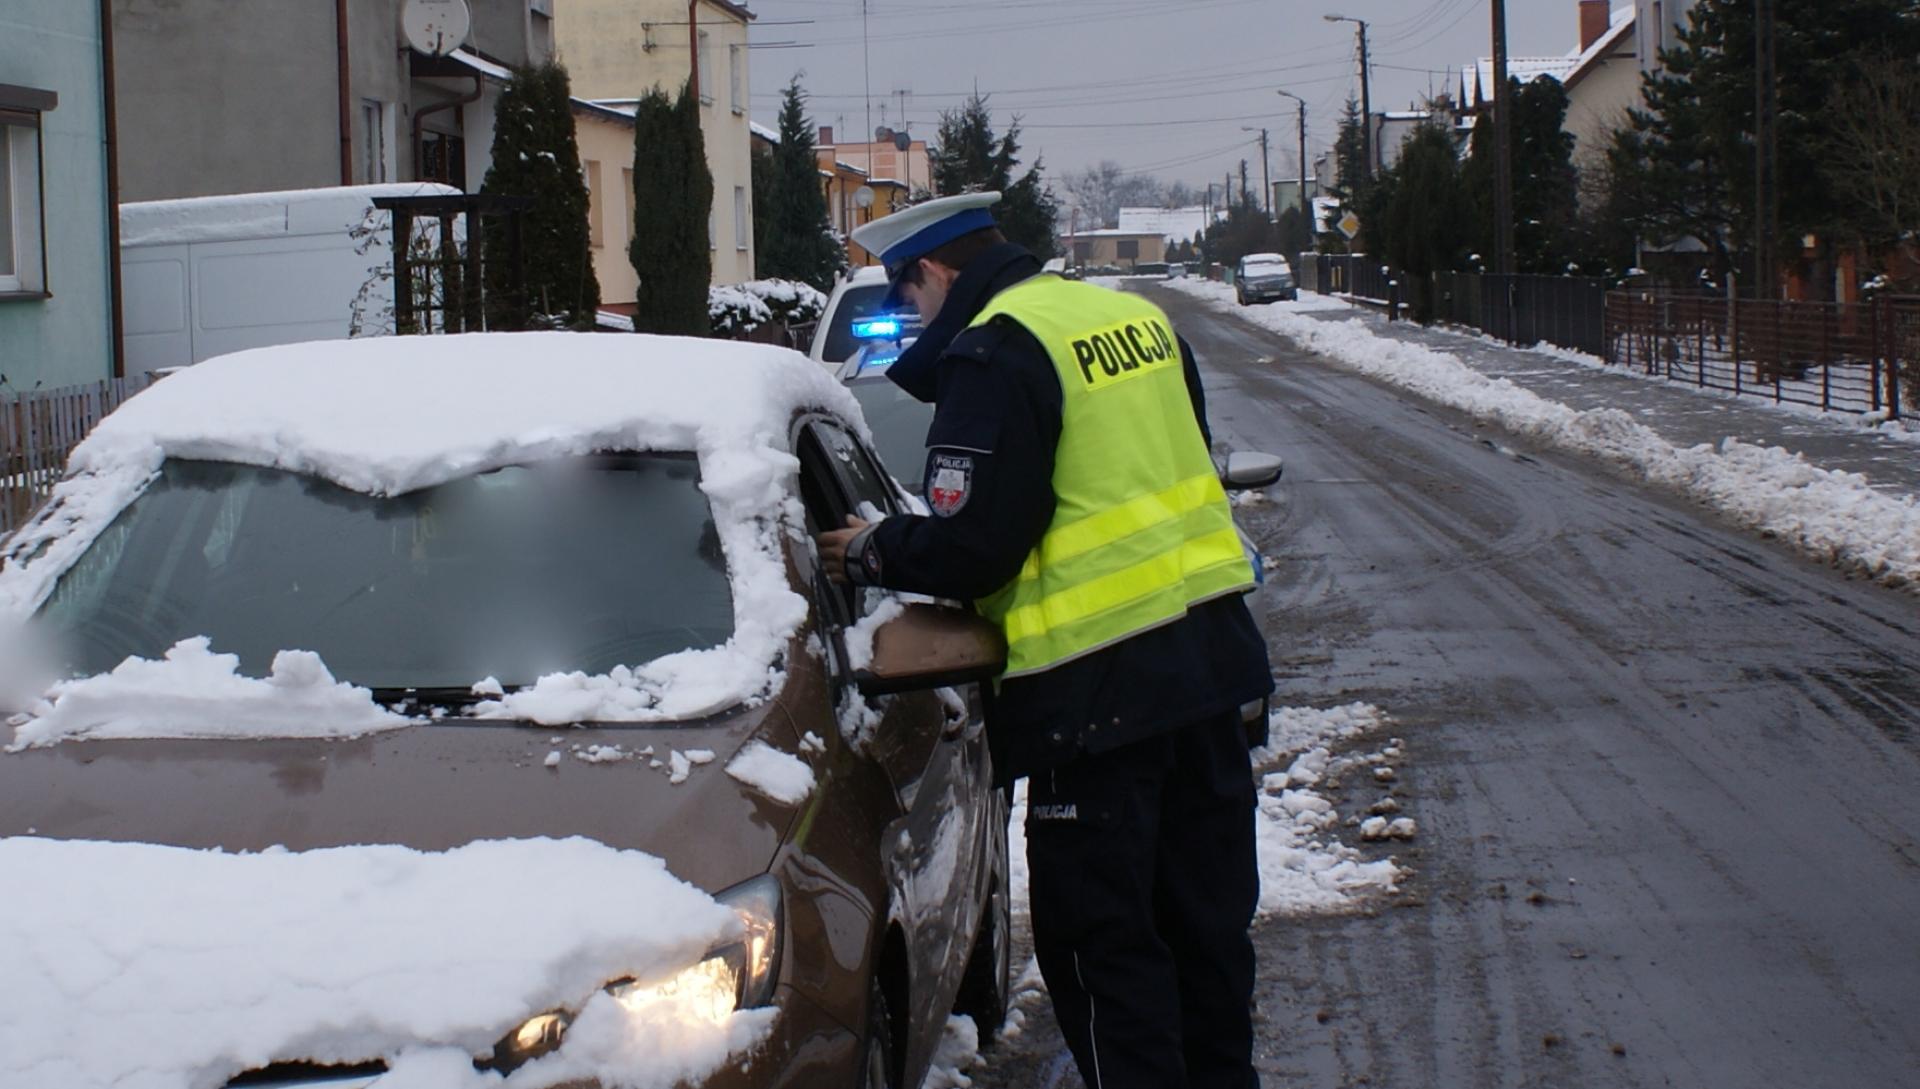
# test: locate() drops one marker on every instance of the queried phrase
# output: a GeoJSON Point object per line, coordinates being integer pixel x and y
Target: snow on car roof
{"type": "Point", "coordinates": [386, 416]}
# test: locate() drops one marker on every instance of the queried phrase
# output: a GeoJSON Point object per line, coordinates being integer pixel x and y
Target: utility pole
{"type": "Point", "coordinates": [1766, 181]}
{"type": "Point", "coordinates": [1366, 94]}
{"type": "Point", "coordinates": [1266, 180]}
{"type": "Point", "coordinates": [1305, 214]}
{"type": "Point", "coordinates": [1502, 147]}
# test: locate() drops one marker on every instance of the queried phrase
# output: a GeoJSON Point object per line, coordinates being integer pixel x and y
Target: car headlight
{"type": "Point", "coordinates": [737, 975]}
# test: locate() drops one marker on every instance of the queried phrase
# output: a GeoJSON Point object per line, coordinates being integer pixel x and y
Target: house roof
{"type": "Point", "coordinates": [1602, 48]}
{"type": "Point", "coordinates": [1477, 83]}
{"type": "Point", "coordinates": [771, 136]}
{"type": "Point", "coordinates": [1170, 223]}
{"type": "Point", "coordinates": [738, 11]}
{"type": "Point", "coordinates": [1116, 232]}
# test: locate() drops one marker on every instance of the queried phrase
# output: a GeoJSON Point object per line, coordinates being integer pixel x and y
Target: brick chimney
{"type": "Point", "coordinates": [826, 135]}
{"type": "Point", "coordinates": [1595, 18]}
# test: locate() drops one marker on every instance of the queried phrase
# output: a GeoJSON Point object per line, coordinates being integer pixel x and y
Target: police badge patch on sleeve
{"type": "Point", "coordinates": [949, 483]}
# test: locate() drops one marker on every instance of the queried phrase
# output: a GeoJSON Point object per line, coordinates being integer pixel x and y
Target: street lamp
{"type": "Point", "coordinates": [1306, 216]}
{"type": "Point", "coordinates": [1366, 96]}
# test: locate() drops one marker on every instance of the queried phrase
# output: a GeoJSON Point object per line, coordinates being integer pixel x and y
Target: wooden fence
{"type": "Point", "coordinates": [37, 432]}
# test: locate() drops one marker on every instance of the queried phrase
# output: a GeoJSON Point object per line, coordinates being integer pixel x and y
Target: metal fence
{"type": "Point", "coordinates": [1832, 356]}
{"type": "Point", "coordinates": [39, 429]}
{"type": "Point", "coordinates": [1565, 310]}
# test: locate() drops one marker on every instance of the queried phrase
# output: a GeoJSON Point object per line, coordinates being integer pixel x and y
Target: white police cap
{"type": "Point", "coordinates": [914, 232]}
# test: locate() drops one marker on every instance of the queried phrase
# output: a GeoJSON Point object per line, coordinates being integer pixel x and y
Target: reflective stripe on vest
{"type": "Point", "coordinates": [1141, 529]}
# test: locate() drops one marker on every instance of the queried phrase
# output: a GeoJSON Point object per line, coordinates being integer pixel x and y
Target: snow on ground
{"type": "Point", "coordinates": [497, 399]}
{"type": "Point", "coordinates": [959, 1048]}
{"type": "Point", "coordinates": [350, 954]}
{"type": "Point", "coordinates": [1303, 867]}
{"type": "Point", "coordinates": [194, 692]}
{"type": "Point", "coordinates": [781, 776]}
{"type": "Point", "coordinates": [1831, 516]}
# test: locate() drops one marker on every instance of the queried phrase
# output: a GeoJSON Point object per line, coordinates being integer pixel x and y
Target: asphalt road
{"type": "Point", "coordinates": [1666, 773]}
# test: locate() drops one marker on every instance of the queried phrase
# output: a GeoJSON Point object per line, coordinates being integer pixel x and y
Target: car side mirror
{"type": "Point", "coordinates": [1246, 470]}
{"type": "Point", "coordinates": [932, 646]}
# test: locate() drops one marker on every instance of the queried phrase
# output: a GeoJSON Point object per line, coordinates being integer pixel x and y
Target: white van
{"type": "Point", "coordinates": [210, 275]}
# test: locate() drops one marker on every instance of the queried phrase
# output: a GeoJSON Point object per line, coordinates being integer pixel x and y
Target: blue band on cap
{"type": "Point", "coordinates": [935, 235]}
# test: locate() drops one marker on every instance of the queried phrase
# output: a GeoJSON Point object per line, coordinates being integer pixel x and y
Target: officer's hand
{"type": "Point", "coordinates": [833, 548]}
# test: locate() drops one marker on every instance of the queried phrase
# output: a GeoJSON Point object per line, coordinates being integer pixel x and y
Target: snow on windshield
{"type": "Point", "coordinates": [389, 416]}
{"type": "Point", "coordinates": [181, 968]}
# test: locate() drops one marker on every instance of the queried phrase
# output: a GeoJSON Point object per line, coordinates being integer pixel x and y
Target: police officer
{"type": "Point", "coordinates": [1075, 503]}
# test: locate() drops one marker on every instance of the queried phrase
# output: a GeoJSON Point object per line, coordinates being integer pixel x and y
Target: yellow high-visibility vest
{"type": "Point", "coordinates": [1141, 528]}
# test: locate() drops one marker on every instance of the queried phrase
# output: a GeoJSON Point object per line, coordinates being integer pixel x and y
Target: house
{"type": "Point", "coordinates": [617, 50]}
{"type": "Point", "coordinates": [1116, 248]}
{"type": "Point", "coordinates": [216, 98]}
{"type": "Point", "coordinates": [59, 309]}
{"type": "Point", "coordinates": [1172, 224]}
{"type": "Point", "coordinates": [893, 156]}
{"type": "Point", "coordinates": [605, 138]}
{"type": "Point", "coordinates": [1605, 81]}
{"type": "Point", "coordinates": [1657, 26]}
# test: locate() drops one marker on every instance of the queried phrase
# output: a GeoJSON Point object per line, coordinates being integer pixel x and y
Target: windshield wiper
{"type": "Point", "coordinates": [448, 696]}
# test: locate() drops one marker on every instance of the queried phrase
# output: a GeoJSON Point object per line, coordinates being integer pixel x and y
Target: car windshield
{"type": "Point", "coordinates": [899, 427]}
{"type": "Point", "coordinates": [856, 305]}
{"type": "Point", "coordinates": [1267, 268]}
{"type": "Point", "coordinates": [582, 564]}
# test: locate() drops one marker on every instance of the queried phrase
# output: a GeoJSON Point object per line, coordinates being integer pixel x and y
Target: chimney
{"type": "Point", "coordinates": [826, 135]}
{"type": "Point", "coordinates": [1595, 18]}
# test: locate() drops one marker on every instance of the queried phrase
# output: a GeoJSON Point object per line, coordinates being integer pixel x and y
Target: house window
{"type": "Point", "coordinates": [22, 230]}
{"type": "Point", "coordinates": [741, 231]}
{"type": "Point", "coordinates": [596, 212]}
{"type": "Point", "coordinates": [373, 155]}
{"type": "Point", "coordinates": [1128, 249]}
{"type": "Point", "coordinates": [706, 69]}
{"type": "Point", "coordinates": [737, 78]}
{"type": "Point", "coordinates": [1083, 252]}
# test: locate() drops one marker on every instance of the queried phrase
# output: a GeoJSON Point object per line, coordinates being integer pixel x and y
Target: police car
{"type": "Point", "coordinates": [855, 318]}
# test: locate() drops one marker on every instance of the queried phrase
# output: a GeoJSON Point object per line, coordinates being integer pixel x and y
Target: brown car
{"type": "Point", "coordinates": [884, 892]}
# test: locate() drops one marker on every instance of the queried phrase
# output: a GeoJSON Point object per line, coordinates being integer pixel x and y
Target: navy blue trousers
{"type": "Point", "coordinates": [1143, 882]}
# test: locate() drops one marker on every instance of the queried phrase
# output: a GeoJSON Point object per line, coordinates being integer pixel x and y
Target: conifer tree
{"type": "Point", "coordinates": [1545, 184]}
{"type": "Point", "coordinates": [673, 210]}
{"type": "Point", "coordinates": [534, 154]}
{"type": "Point", "coordinates": [798, 241]}
{"type": "Point", "coordinates": [969, 158]}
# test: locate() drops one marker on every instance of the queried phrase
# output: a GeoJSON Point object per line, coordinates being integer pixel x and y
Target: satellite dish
{"type": "Point", "coordinates": [882, 134]}
{"type": "Point", "coordinates": [902, 141]}
{"type": "Point", "coordinates": [435, 27]}
{"type": "Point", "coordinates": [863, 197]}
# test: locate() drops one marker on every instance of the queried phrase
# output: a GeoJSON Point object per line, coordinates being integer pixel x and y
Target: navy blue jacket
{"type": "Point", "coordinates": [989, 476]}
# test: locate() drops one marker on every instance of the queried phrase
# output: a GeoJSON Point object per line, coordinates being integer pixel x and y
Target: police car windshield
{"type": "Point", "coordinates": [858, 306]}
{"type": "Point", "coordinates": [899, 427]}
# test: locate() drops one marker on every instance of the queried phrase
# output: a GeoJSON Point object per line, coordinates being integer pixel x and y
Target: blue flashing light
{"type": "Point", "coordinates": [876, 328]}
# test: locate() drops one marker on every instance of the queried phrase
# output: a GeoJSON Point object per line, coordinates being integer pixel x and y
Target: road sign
{"type": "Point", "coordinates": [1349, 225]}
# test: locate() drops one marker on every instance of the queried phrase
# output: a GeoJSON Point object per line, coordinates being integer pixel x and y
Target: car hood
{"type": "Point", "coordinates": [432, 787]}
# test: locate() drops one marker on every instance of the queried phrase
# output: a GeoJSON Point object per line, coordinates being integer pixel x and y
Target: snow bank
{"type": "Point", "coordinates": [1831, 516]}
{"type": "Point", "coordinates": [1303, 868]}
{"type": "Point", "coordinates": [194, 692]}
{"type": "Point", "coordinates": [392, 415]}
{"type": "Point", "coordinates": [147, 967]}
{"type": "Point", "coordinates": [781, 776]}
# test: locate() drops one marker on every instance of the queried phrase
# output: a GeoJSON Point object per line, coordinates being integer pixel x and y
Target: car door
{"type": "Point", "coordinates": [932, 751]}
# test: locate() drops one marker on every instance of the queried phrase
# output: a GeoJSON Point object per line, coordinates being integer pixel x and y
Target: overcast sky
{"type": "Point", "coordinates": [1159, 86]}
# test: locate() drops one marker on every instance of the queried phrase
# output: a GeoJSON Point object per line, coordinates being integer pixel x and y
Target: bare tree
{"type": "Point", "coordinates": [1099, 192]}
{"type": "Point", "coordinates": [1873, 160]}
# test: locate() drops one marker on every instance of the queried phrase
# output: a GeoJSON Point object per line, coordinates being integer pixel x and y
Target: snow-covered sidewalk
{"type": "Point", "coordinates": [1839, 490]}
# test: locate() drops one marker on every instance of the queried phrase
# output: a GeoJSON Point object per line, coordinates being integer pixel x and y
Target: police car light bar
{"type": "Point", "coordinates": [876, 328]}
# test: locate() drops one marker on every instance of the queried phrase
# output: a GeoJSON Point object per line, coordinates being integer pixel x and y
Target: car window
{"type": "Point", "coordinates": [583, 564]}
{"type": "Point", "coordinates": [838, 478]}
